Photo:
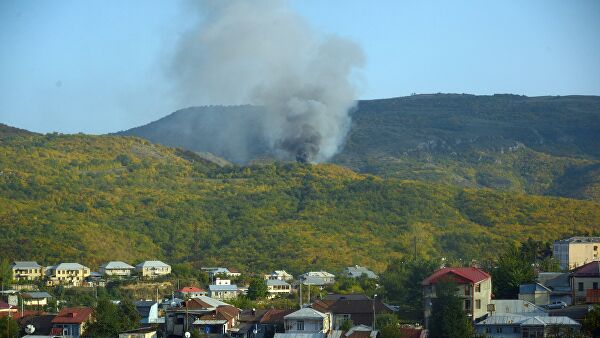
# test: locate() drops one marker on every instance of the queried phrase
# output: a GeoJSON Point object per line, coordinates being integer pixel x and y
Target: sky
{"type": "Point", "coordinates": [100, 66]}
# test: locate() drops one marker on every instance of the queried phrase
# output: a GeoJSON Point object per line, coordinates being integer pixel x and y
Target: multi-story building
{"type": "Point", "coordinates": [67, 273]}
{"type": "Point", "coordinates": [277, 287]}
{"type": "Point", "coordinates": [152, 269]}
{"type": "Point", "coordinates": [280, 275]}
{"type": "Point", "coordinates": [474, 286]}
{"type": "Point", "coordinates": [71, 322]}
{"type": "Point", "coordinates": [306, 322]}
{"type": "Point", "coordinates": [27, 270]}
{"type": "Point", "coordinates": [585, 281]}
{"type": "Point", "coordinates": [116, 268]}
{"type": "Point", "coordinates": [318, 278]}
{"type": "Point", "coordinates": [576, 251]}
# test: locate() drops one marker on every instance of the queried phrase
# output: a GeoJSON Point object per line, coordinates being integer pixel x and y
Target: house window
{"type": "Point", "coordinates": [289, 326]}
{"type": "Point", "coordinates": [488, 330]}
{"type": "Point", "coordinates": [498, 329]}
{"type": "Point", "coordinates": [300, 325]}
{"type": "Point", "coordinates": [467, 304]}
{"type": "Point", "coordinates": [478, 304]}
{"type": "Point", "coordinates": [595, 286]}
{"type": "Point", "coordinates": [595, 248]}
{"type": "Point", "coordinates": [580, 286]}
{"type": "Point", "coordinates": [478, 288]}
{"type": "Point", "coordinates": [515, 329]}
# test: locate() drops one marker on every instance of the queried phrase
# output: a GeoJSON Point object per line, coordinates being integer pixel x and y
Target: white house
{"type": "Point", "coordinates": [357, 271]}
{"type": "Point", "coordinates": [35, 298]}
{"type": "Point", "coordinates": [222, 291]}
{"type": "Point", "coordinates": [153, 269]}
{"type": "Point", "coordinates": [278, 287]}
{"type": "Point", "coordinates": [280, 275]}
{"type": "Point", "coordinates": [317, 278]}
{"type": "Point", "coordinates": [306, 322]}
{"type": "Point", "coordinates": [116, 268]}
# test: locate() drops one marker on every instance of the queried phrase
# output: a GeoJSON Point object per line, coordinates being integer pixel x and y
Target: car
{"type": "Point", "coordinates": [557, 305]}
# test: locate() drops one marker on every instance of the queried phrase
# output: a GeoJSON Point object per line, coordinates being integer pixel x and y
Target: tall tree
{"type": "Point", "coordinates": [128, 315]}
{"type": "Point", "coordinates": [512, 269]}
{"type": "Point", "coordinates": [591, 322]}
{"type": "Point", "coordinates": [9, 328]}
{"type": "Point", "coordinates": [257, 289]}
{"type": "Point", "coordinates": [106, 320]}
{"type": "Point", "coordinates": [5, 272]}
{"type": "Point", "coordinates": [448, 319]}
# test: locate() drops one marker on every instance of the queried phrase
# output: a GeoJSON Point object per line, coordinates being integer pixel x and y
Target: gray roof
{"type": "Point", "coordinates": [357, 271]}
{"type": "Point", "coordinates": [532, 288]}
{"type": "Point", "coordinates": [223, 287]}
{"type": "Point", "coordinates": [116, 265]}
{"type": "Point", "coordinates": [69, 266]}
{"type": "Point", "coordinates": [211, 301]}
{"type": "Point", "coordinates": [152, 264]}
{"type": "Point", "coordinates": [276, 282]}
{"type": "Point", "coordinates": [36, 295]}
{"type": "Point", "coordinates": [26, 265]}
{"type": "Point", "coordinates": [579, 239]}
{"type": "Point", "coordinates": [312, 280]}
{"type": "Point", "coordinates": [516, 306]}
{"type": "Point", "coordinates": [523, 320]}
{"type": "Point", "coordinates": [144, 307]}
{"type": "Point", "coordinates": [305, 313]}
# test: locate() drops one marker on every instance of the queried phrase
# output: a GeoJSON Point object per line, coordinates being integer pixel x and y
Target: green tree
{"type": "Point", "coordinates": [346, 325]}
{"type": "Point", "coordinates": [448, 319]}
{"type": "Point", "coordinates": [512, 270]}
{"type": "Point", "coordinates": [257, 289]}
{"type": "Point", "coordinates": [106, 321]}
{"type": "Point", "coordinates": [591, 322]}
{"type": "Point", "coordinates": [9, 328]}
{"type": "Point", "coordinates": [128, 315]}
{"type": "Point", "coordinates": [5, 272]}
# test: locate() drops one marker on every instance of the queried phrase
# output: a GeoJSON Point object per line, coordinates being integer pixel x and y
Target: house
{"type": "Point", "coordinates": [71, 322]}
{"type": "Point", "coordinates": [273, 322]}
{"type": "Point", "coordinates": [280, 275]}
{"type": "Point", "coordinates": [153, 269]}
{"type": "Point", "coordinates": [535, 293]}
{"type": "Point", "coordinates": [560, 285]}
{"type": "Point", "coordinates": [222, 291]}
{"type": "Point", "coordinates": [359, 309]}
{"type": "Point", "coordinates": [203, 314]}
{"type": "Point", "coordinates": [27, 270]}
{"type": "Point", "coordinates": [190, 292]}
{"type": "Point", "coordinates": [584, 278]}
{"type": "Point", "coordinates": [35, 298]}
{"type": "Point", "coordinates": [277, 287]}
{"type": "Point", "coordinates": [515, 306]}
{"type": "Point", "coordinates": [474, 287]}
{"type": "Point", "coordinates": [116, 268]}
{"type": "Point", "coordinates": [576, 251]}
{"type": "Point", "coordinates": [213, 272]}
{"type": "Point", "coordinates": [67, 273]}
{"type": "Point", "coordinates": [143, 332]}
{"type": "Point", "coordinates": [517, 326]}
{"type": "Point", "coordinates": [306, 322]}
{"type": "Point", "coordinates": [357, 271]}
{"type": "Point", "coordinates": [318, 278]}
{"type": "Point", "coordinates": [148, 311]}
{"type": "Point", "coordinates": [249, 324]}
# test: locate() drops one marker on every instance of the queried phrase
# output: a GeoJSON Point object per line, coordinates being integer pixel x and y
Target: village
{"type": "Point", "coordinates": [307, 305]}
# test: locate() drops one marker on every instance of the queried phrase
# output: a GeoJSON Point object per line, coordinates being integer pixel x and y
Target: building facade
{"type": "Point", "coordinates": [67, 273]}
{"type": "Point", "coordinates": [116, 268]}
{"type": "Point", "coordinates": [27, 270]}
{"type": "Point", "coordinates": [576, 251]}
{"type": "Point", "coordinates": [153, 269]}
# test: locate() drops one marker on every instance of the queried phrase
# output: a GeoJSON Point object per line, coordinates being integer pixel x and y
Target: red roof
{"type": "Point", "coordinates": [188, 289]}
{"type": "Point", "coordinates": [274, 316]}
{"type": "Point", "coordinates": [591, 269]}
{"type": "Point", "coordinates": [460, 275]}
{"type": "Point", "coordinates": [73, 315]}
{"type": "Point", "coordinates": [410, 332]}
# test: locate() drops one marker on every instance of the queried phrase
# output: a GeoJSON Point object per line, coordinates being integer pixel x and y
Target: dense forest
{"type": "Point", "coordinates": [96, 198]}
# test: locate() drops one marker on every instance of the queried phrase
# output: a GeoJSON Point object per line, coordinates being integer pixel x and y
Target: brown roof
{"type": "Point", "coordinates": [73, 315]}
{"type": "Point", "coordinates": [409, 332]}
{"type": "Point", "coordinates": [274, 316]}
{"type": "Point", "coordinates": [196, 304]}
{"type": "Point", "coordinates": [225, 312]}
{"type": "Point", "coordinates": [188, 289]}
{"type": "Point", "coordinates": [461, 275]}
{"type": "Point", "coordinates": [591, 269]}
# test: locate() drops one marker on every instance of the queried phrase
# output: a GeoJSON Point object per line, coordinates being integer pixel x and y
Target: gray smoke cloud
{"type": "Point", "coordinates": [262, 53]}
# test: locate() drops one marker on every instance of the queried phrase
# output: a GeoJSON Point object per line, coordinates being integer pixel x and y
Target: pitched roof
{"type": "Point", "coordinates": [36, 295]}
{"type": "Point", "coordinates": [357, 271]}
{"type": "Point", "coordinates": [274, 316]}
{"type": "Point", "coordinates": [532, 288]}
{"type": "Point", "coordinates": [116, 265]}
{"type": "Point", "coordinates": [349, 306]}
{"type": "Point", "coordinates": [204, 302]}
{"type": "Point", "coordinates": [276, 282]}
{"type": "Point", "coordinates": [591, 269]}
{"type": "Point", "coordinates": [222, 287]}
{"type": "Point", "coordinates": [69, 266]}
{"type": "Point", "coordinates": [152, 264]}
{"type": "Point", "coordinates": [189, 289]}
{"type": "Point", "coordinates": [73, 315]}
{"type": "Point", "coordinates": [467, 274]}
{"type": "Point", "coordinates": [25, 265]}
{"type": "Point", "coordinates": [144, 307]}
{"type": "Point", "coordinates": [305, 313]}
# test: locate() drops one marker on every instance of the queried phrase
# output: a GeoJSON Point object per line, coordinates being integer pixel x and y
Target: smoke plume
{"type": "Point", "coordinates": [260, 52]}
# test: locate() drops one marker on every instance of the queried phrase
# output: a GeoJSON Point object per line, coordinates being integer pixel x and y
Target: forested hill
{"type": "Point", "coordinates": [97, 198]}
{"type": "Point", "coordinates": [536, 145]}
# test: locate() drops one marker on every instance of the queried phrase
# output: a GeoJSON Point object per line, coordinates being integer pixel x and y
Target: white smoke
{"type": "Point", "coordinates": [262, 53]}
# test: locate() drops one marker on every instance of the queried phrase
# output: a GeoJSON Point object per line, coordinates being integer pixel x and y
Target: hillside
{"type": "Point", "coordinates": [534, 145]}
{"type": "Point", "coordinates": [95, 198]}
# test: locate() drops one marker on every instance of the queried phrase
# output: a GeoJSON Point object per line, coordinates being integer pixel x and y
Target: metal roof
{"type": "Point", "coordinates": [357, 271]}
{"type": "Point", "coordinates": [116, 265]}
{"type": "Point", "coordinates": [69, 266]}
{"type": "Point", "coordinates": [152, 264]}
{"type": "Point", "coordinates": [524, 320]}
{"type": "Point", "coordinates": [516, 306]}
{"type": "Point", "coordinates": [532, 288]}
{"type": "Point", "coordinates": [26, 265]}
{"type": "Point", "coordinates": [276, 282]}
{"type": "Point", "coordinates": [579, 239]}
{"type": "Point", "coordinates": [37, 295]}
{"type": "Point", "coordinates": [223, 287]}
{"type": "Point", "coordinates": [305, 313]}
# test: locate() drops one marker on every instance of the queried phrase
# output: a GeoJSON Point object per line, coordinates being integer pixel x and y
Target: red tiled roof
{"type": "Point", "coordinates": [73, 315]}
{"type": "Point", "coordinates": [591, 269]}
{"type": "Point", "coordinates": [191, 289]}
{"type": "Point", "coordinates": [409, 332]}
{"type": "Point", "coordinates": [461, 275]}
{"type": "Point", "coordinates": [274, 316]}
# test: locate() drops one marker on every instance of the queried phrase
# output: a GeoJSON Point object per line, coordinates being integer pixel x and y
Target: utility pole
{"type": "Point", "coordinates": [300, 294]}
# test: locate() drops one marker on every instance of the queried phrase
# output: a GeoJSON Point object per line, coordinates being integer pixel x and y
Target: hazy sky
{"type": "Point", "coordinates": [99, 66]}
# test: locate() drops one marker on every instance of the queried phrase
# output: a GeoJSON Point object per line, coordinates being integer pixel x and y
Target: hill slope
{"type": "Point", "coordinates": [523, 144]}
{"type": "Point", "coordinates": [95, 198]}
